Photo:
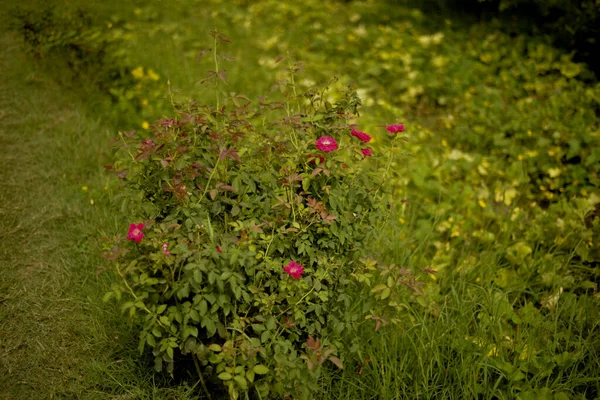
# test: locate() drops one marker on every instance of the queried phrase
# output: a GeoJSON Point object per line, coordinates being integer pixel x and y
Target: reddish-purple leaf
{"type": "Point", "coordinates": [227, 188]}
{"type": "Point", "coordinates": [202, 52]}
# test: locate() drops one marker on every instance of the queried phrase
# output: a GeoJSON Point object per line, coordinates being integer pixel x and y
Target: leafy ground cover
{"type": "Point", "coordinates": [501, 190]}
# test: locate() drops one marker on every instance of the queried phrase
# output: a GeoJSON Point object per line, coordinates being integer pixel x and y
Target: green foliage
{"type": "Point", "coordinates": [573, 24]}
{"type": "Point", "coordinates": [91, 52]}
{"type": "Point", "coordinates": [229, 194]}
{"type": "Point", "coordinates": [500, 211]}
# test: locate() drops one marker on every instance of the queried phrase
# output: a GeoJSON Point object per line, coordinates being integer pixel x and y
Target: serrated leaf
{"type": "Point", "coordinates": [260, 369]}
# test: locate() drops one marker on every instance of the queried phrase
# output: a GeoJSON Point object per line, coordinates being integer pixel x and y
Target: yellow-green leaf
{"type": "Point", "coordinates": [378, 288]}
{"type": "Point", "coordinates": [225, 376]}
{"type": "Point", "coordinates": [260, 369]}
{"type": "Point", "coordinates": [385, 293]}
{"type": "Point", "coordinates": [215, 347]}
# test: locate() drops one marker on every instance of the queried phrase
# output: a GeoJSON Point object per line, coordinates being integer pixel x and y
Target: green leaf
{"type": "Point", "coordinates": [215, 347]}
{"type": "Point", "coordinates": [225, 376]}
{"type": "Point", "coordinates": [250, 375]}
{"type": "Point", "coordinates": [211, 328]}
{"type": "Point", "coordinates": [107, 296]}
{"type": "Point", "coordinates": [306, 184]}
{"type": "Point", "coordinates": [260, 369]}
{"type": "Point", "coordinates": [385, 293]}
{"type": "Point", "coordinates": [141, 344]}
{"type": "Point", "coordinates": [150, 340]}
{"type": "Point", "coordinates": [241, 381]}
{"type": "Point", "coordinates": [197, 276]}
{"type": "Point", "coordinates": [378, 288]}
{"type": "Point", "coordinates": [161, 308]}
{"type": "Point", "coordinates": [203, 307]}
{"type": "Point", "coordinates": [225, 275]}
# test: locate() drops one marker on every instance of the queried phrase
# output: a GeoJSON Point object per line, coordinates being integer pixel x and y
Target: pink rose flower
{"type": "Point", "coordinates": [326, 144]}
{"type": "Point", "coordinates": [366, 152]}
{"type": "Point", "coordinates": [361, 135]}
{"type": "Point", "coordinates": [166, 252]}
{"type": "Point", "coordinates": [294, 269]}
{"type": "Point", "coordinates": [395, 128]}
{"type": "Point", "coordinates": [219, 249]}
{"type": "Point", "coordinates": [135, 232]}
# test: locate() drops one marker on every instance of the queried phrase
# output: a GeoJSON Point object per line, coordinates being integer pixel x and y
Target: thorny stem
{"type": "Point", "coordinates": [387, 168]}
{"type": "Point", "coordinates": [216, 43]}
{"type": "Point", "coordinates": [126, 146]}
{"type": "Point", "coordinates": [212, 173]}
{"type": "Point", "coordinates": [287, 106]}
{"type": "Point", "coordinates": [271, 241]}
{"type": "Point", "coordinates": [134, 295]}
{"type": "Point", "coordinates": [127, 284]}
{"type": "Point", "coordinates": [291, 200]}
{"type": "Point", "coordinates": [200, 376]}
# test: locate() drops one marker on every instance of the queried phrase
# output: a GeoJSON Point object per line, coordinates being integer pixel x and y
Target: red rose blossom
{"type": "Point", "coordinates": [361, 135]}
{"type": "Point", "coordinates": [294, 269]}
{"type": "Point", "coordinates": [326, 144]}
{"type": "Point", "coordinates": [395, 128]}
{"type": "Point", "coordinates": [366, 152]}
{"type": "Point", "coordinates": [135, 232]}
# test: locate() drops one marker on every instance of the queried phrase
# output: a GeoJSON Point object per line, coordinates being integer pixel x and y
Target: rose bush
{"type": "Point", "coordinates": [253, 252]}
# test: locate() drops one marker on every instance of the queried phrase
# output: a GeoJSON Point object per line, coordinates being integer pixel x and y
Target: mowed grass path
{"type": "Point", "coordinates": [58, 340]}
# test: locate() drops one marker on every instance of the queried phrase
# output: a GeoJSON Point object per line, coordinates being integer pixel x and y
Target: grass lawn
{"type": "Point", "coordinates": [500, 173]}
